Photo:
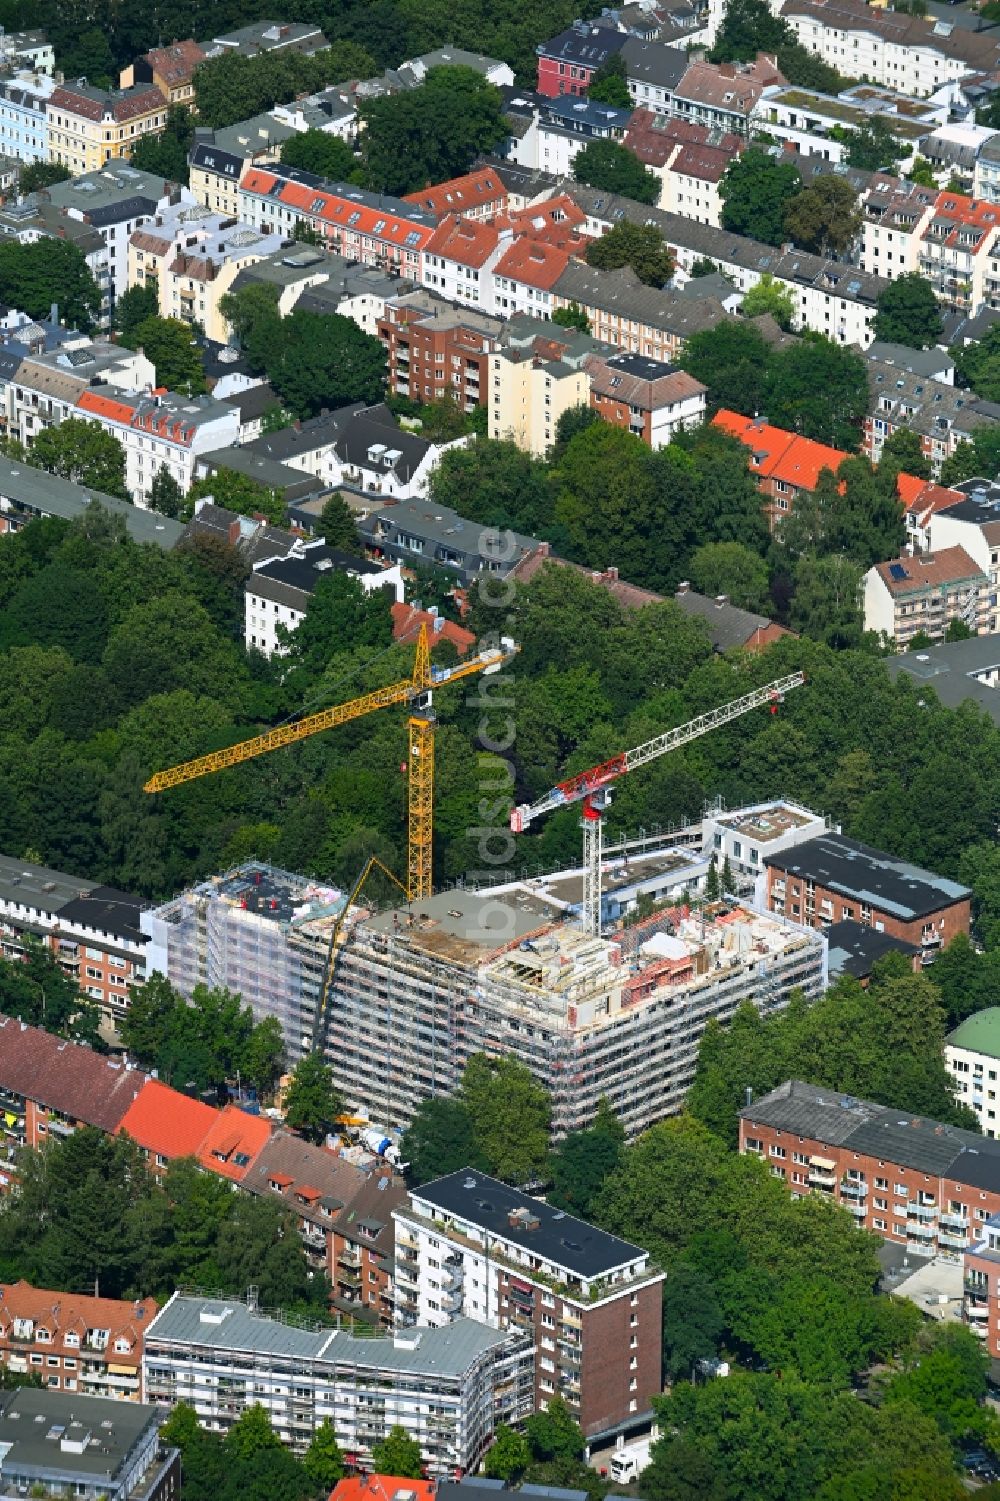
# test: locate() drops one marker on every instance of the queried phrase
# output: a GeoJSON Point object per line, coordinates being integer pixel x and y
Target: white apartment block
{"type": "Point", "coordinates": [448, 1389]}
{"type": "Point", "coordinates": [894, 215]}
{"type": "Point", "coordinates": [279, 589]}
{"type": "Point", "coordinates": [973, 525]}
{"type": "Point", "coordinates": [898, 51]}
{"type": "Point", "coordinates": [162, 431]}
{"type": "Point", "coordinates": [468, 1246]}
{"type": "Point", "coordinates": [972, 1058]}
{"type": "Point", "coordinates": [922, 595]}
{"type": "Point", "coordinates": [745, 836]}
{"type": "Point", "coordinates": [621, 1017]}
{"type": "Point", "coordinates": [46, 388]}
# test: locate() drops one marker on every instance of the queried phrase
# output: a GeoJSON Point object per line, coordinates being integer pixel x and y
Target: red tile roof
{"type": "Point", "coordinates": [922, 496]}
{"type": "Point", "coordinates": [232, 1136]}
{"type": "Point", "coordinates": [460, 195]}
{"type": "Point", "coordinates": [176, 64]}
{"type": "Point", "coordinates": [381, 1488]}
{"type": "Point", "coordinates": [62, 1313]}
{"type": "Point", "coordinates": [963, 213]}
{"type": "Point", "coordinates": [535, 263]}
{"type": "Point", "coordinates": [777, 454]}
{"type": "Point", "coordinates": [105, 406]}
{"type": "Point", "coordinates": [123, 104]}
{"type": "Point", "coordinates": [470, 242]}
{"type": "Point", "coordinates": [64, 1076]}
{"type": "Point", "coordinates": [339, 209]}
{"type": "Point", "coordinates": [166, 1122]}
{"type": "Point", "coordinates": [928, 570]}
{"type": "Point", "coordinates": [407, 623]}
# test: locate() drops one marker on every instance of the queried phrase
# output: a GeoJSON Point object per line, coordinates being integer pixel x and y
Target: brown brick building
{"type": "Point", "coordinates": [834, 879]}
{"type": "Point", "coordinates": [468, 1245]}
{"type": "Point", "coordinates": [438, 350]}
{"type": "Point", "coordinates": [74, 1343]}
{"type": "Point", "coordinates": [932, 1188]}
{"type": "Point", "coordinates": [49, 1087]}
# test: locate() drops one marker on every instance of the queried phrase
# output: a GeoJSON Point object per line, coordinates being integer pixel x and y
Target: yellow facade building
{"type": "Point", "coordinates": [86, 127]}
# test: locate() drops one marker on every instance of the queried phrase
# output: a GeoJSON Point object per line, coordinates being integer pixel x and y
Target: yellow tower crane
{"type": "Point", "coordinates": [416, 691]}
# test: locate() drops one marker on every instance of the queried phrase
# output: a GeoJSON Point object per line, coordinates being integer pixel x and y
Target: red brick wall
{"type": "Point", "coordinates": [608, 1332]}
{"type": "Point", "coordinates": [946, 922]}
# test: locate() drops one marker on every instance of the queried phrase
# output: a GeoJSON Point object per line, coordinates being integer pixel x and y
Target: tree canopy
{"type": "Point", "coordinates": [616, 169]}
{"type": "Point", "coordinates": [427, 135]}
{"type": "Point", "coordinates": [908, 312]}
{"type": "Point", "coordinates": [320, 152]}
{"type": "Point", "coordinates": [81, 451]}
{"type": "Point", "coordinates": [640, 246]}
{"type": "Point", "coordinates": [756, 191]}
{"type": "Point", "coordinates": [36, 275]}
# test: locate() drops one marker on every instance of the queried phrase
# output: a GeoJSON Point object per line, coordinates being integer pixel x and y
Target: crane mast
{"type": "Point", "coordinates": [593, 787]}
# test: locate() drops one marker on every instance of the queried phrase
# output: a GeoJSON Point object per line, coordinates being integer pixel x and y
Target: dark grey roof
{"type": "Point", "coordinates": [728, 625]}
{"type": "Point", "coordinates": [621, 292]}
{"type": "Point", "coordinates": [560, 1238]}
{"type": "Point", "coordinates": [209, 158]}
{"type": "Point", "coordinates": [856, 870]}
{"type": "Point", "coordinates": [926, 362]}
{"type": "Point", "coordinates": [253, 402]}
{"type": "Point", "coordinates": [952, 670]}
{"type": "Point", "coordinates": [653, 62]}
{"type": "Point", "coordinates": [374, 425]}
{"type": "Point", "coordinates": [306, 437]}
{"type": "Point", "coordinates": [28, 1416]}
{"type": "Point", "coordinates": [292, 579]}
{"type": "Point", "coordinates": [808, 1110]}
{"type": "Point", "coordinates": [33, 492]}
{"type": "Point", "coordinates": [855, 948]}
{"type": "Point", "coordinates": [586, 42]}
{"type": "Point", "coordinates": [291, 483]}
{"type": "Point", "coordinates": [108, 909]}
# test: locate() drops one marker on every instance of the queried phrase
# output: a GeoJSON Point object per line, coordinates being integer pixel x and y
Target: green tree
{"type": "Point", "coordinates": [583, 1160]}
{"type": "Point", "coordinates": [317, 359]}
{"type": "Point", "coordinates": [36, 176]}
{"type": "Point", "coordinates": [250, 306]}
{"type": "Point", "coordinates": [756, 191]}
{"type": "Point", "coordinates": [827, 600]}
{"type": "Point", "coordinates": [34, 276]}
{"type": "Point", "coordinates": [397, 1455]}
{"type": "Point", "coordinates": [609, 86]}
{"type": "Point", "coordinates": [978, 364]}
{"type": "Point", "coordinates": [908, 312]}
{"type": "Point", "coordinates": [83, 452]}
{"type": "Point", "coordinates": [508, 1456]}
{"type": "Point", "coordinates": [323, 1461]}
{"type": "Point", "coordinates": [680, 1471]}
{"type": "Point", "coordinates": [732, 360]}
{"type": "Point", "coordinates": [263, 1055]}
{"type": "Point", "coordinates": [922, 173]}
{"type": "Point", "coordinates": [432, 133]}
{"type": "Point", "coordinates": [165, 494]}
{"type": "Point", "coordinates": [134, 307]}
{"type": "Point", "coordinates": [338, 526]}
{"type": "Point", "coordinates": [733, 569]}
{"type": "Point", "coordinates": [312, 1102]}
{"type": "Point", "coordinates": [510, 1115]}
{"type": "Point", "coordinates": [639, 246]}
{"type": "Point", "coordinates": [820, 389]}
{"type": "Point", "coordinates": [902, 453]}
{"type": "Point", "coordinates": [440, 1139]}
{"type": "Point", "coordinates": [693, 1322]}
{"type": "Point", "coordinates": [824, 217]}
{"type": "Point", "coordinates": [238, 492]}
{"type": "Point", "coordinates": [251, 1434]}
{"type": "Point", "coordinates": [572, 316]}
{"type": "Point", "coordinates": [35, 989]}
{"type": "Point", "coordinates": [232, 88]}
{"type": "Point", "coordinates": [178, 361]}
{"type": "Point", "coordinates": [703, 267]}
{"type": "Point", "coordinates": [615, 169]}
{"type": "Point", "coordinates": [553, 1434]}
{"type": "Point", "coordinates": [769, 296]}
{"type": "Point", "coordinates": [166, 154]}
{"type": "Point", "coordinates": [320, 152]}
{"type": "Point", "coordinates": [873, 146]}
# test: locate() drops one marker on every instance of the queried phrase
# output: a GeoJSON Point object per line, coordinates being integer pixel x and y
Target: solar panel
{"type": "Point", "coordinates": [897, 572]}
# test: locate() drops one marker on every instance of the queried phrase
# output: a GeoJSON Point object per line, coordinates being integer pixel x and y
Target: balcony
{"type": "Point", "coordinates": [858, 1210]}
{"type": "Point", "coordinates": [955, 1240]}
{"type": "Point", "coordinates": [922, 1211]}
{"type": "Point", "coordinates": [958, 1220]}
{"type": "Point", "coordinates": [976, 1309]}
{"type": "Point", "coordinates": [822, 1177]}
{"type": "Point", "coordinates": [851, 1188]}
{"type": "Point", "coordinates": [349, 1257]}
{"type": "Point", "coordinates": [923, 1232]}
{"type": "Point", "coordinates": [571, 1319]}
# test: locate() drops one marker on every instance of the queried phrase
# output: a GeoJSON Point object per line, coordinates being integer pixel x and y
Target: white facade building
{"type": "Point", "coordinates": [279, 589]}
{"type": "Point", "coordinates": [448, 1389]}
{"type": "Point", "coordinates": [972, 1058]}
{"type": "Point", "coordinates": [745, 836]}
{"type": "Point", "coordinates": [161, 432]}
{"type": "Point", "coordinates": [23, 126]}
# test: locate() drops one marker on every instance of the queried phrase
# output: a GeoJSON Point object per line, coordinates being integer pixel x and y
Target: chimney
{"type": "Point", "coordinates": [683, 587]}
{"type": "Point", "coordinates": [721, 599]}
{"type": "Point", "coordinates": [611, 575]}
{"type": "Point", "coordinates": [544, 549]}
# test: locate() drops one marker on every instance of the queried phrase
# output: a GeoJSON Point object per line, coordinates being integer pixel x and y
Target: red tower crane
{"type": "Point", "coordinates": [593, 787]}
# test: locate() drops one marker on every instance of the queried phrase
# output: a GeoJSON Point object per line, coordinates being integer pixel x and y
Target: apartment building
{"type": "Point", "coordinates": [74, 1343]}
{"type": "Point", "coordinates": [436, 350]}
{"type": "Point", "coordinates": [192, 256]}
{"type": "Point", "coordinates": [88, 126]}
{"type": "Point", "coordinates": [468, 1246]}
{"type": "Point", "coordinates": [44, 388]}
{"type": "Point", "coordinates": [972, 1057]}
{"type": "Point", "coordinates": [971, 522]}
{"type": "Point", "coordinates": [115, 202]}
{"type": "Point", "coordinates": [317, 1187]}
{"type": "Point", "coordinates": [958, 253]}
{"type": "Point", "coordinates": [921, 595]}
{"type": "Point", "coordinates": [828, 297]}
{"type": "Point", "coordinates": [941, 414]}
{"type": "Point", "coordinates": [26, 492]}
{"type": "Point", "coordinates": [479, 194]}
{"type": "Point", "coordinates": [160, 431]}
{"type": "Point", "coordinates": [256, 930]}
{"type": "Point", "coordinates": [92, 930]}
{"type": "Point", "coordinates": [724, 96]}
{"type": "Point", "coordinates": [729, 628]}
{"type": "Point", "coordinates": [920, 1184]}
{"type": "Point", "coordinates": [690, 159]}
{"type": "Point", "coordinates": [784, 464]}
{"type": "Point", "coordinates": [894, 215]}
{"type": "Point", "coordinates": [418, 991]}
{"type": "Point", "coordinates": [981, 1284]}
{"type": "Point", "coordinates": [813, 123]}
{"type": "Point", "coordinates": [271, 36]}
{"type": "Point", "coordinates": [653, 400]}
{"type": "Point", "coordinates": [49, 1087]}
{"type": "Point", "coordinates": [748, 835]}
{"type": "Point", "coordinates": [29, 50]}
{"type": "Point", "coordinates": [624, 312]}
{"type": "Point", "coordinates": [567, 63]}
{"type": "Point", "coordinates": [64, 1444]}
{"type": "Point", "coordinates": [528, 393]}
{"type": "Point", "coordinates": [371, 228]}
{"type": "Point", "coordinates": [219, 158]}
{"type": "Point", "coordinates": [23, 118]}
{"type": "Point", "coordinates": [278, 591]}
{"type": "Point", "coordinates": [922, 499]}
{"type": "Point", "coordinates": [652, 72]}
{"type": "Point", "coordinates": [548, 134]}
{"type": "Point", "coordinates": [831, 878]}
{"type": "Point", "coordinates": [170, 69]}
{"type": "Point", "coordinates": [902, 52]}
{"type": "Point", "coordinates": [410, 532]}
{"type": "Point", "coordinates": [166, 1125]}
{"type": "Point", "coordinates": [447, 1388]}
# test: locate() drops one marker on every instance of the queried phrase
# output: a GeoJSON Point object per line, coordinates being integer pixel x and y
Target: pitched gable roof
{"type": "Point", "coordinates": [166, 1122]}
{"type": "Point", "coordinates": [65, 1076]}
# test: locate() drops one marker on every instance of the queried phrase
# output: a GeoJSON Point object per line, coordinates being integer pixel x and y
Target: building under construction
{"type": "Point", "coordinates": [417, 991]}
{"type": "Point", "coordinates": [261, 932]}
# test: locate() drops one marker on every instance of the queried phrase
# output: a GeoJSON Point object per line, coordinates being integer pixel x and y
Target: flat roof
{"type": "Point", "coordinates": [871, 876]}
{"type": "Point", "coordinates": [227, 1324]}
{"type": "Point", "coordinates": [464, 924]}
{"type": "Point", "coordinates": [763, 824]}
{"type": "Point", "coordinates": [39, 493]}
{"type": "Point", "coordinates": [34, 1425]}
{"type": "Point", "coordinates": [952, 669]}
{"type": "Point", "coordinates": [559, 1238]}
{"type": "Point", "coordinates": [855, 948]}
